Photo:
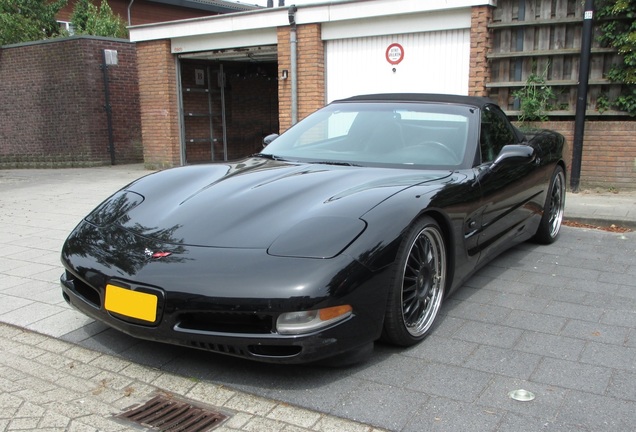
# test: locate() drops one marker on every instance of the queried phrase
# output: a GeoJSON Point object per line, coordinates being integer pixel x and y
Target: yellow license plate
{"type": "Point", "coordinates": [131, 303]}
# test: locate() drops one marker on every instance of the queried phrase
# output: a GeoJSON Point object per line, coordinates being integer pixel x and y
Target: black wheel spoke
{"type": "Point", "coordinates": [412, 270]}
{"type": "Point", "coordinates": [409, 294]}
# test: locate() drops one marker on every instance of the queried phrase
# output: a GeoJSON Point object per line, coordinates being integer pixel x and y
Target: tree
{"type": "Point", "coordinates": [618, 27]}
{"type": "Point", "coordinates": [28, 20]}
{"type": "Point", "coordinates": [88, 19]}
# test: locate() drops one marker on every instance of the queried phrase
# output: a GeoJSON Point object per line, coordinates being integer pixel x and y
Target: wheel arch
{"type": "Point", "coordinates": [561, 163]}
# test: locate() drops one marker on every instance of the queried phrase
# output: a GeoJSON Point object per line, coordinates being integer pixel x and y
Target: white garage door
{"type": "Point", "coordinates": [430, 62]}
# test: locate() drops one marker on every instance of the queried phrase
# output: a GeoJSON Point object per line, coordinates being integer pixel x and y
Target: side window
{"type": "Point", "coordinates": [495, 133]}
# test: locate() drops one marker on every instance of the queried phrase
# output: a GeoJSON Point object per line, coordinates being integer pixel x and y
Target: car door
{"type": "Point", "coordinates": [506, 190]}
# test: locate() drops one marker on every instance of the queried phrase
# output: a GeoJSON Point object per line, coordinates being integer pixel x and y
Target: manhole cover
{"type": "Point", "coordinates": [164, 413]}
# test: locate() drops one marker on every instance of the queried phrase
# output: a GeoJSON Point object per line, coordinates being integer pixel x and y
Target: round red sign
{"type": "Point", "coordinates": [394, 53]}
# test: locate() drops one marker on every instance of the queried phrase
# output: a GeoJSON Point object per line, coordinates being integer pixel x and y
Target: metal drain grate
{"type": "Point", "coordinates": [166, 414]}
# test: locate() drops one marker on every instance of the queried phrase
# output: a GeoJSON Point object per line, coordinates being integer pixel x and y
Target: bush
{"type": "Point", "coordinates": [28, 20]}
{"type": "Point", "coordinates": [88, 19]}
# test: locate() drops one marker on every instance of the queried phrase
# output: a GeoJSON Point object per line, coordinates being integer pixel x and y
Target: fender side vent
{"type": "Point", "coordinates": [163, 413]}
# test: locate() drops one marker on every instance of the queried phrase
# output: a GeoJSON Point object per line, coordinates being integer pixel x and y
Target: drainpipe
{"type": "Point", "coordinates": [294, 64]}
{"type": "Point", "coordinates": [130, 7]}
{"type": "Point", "coordinates": [581, 98]}
{"type": "Point", "coordinates": [107, 107]}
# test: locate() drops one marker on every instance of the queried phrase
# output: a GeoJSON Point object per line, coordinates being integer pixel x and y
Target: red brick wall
{"type": "Point", "coordinates": [609, 152]}
{"type": "Point", "coordinates": [159, 104]}
{"type": "Point", "coordinates": [284, 86]}
{"type": "Point", "coordinates": [52, 105]}
{"type": "Point", "coordinates": [310, 58]}
{"type": "Point", "coordinates": [480, 45]}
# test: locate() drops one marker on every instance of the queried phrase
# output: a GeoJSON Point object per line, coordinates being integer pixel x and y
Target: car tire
{"type": "Point", "coordinates": [418, 284]}
{"type": "Point", "coordinates": [550, 224]}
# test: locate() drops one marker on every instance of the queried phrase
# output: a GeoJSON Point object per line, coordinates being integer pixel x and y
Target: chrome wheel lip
{"type": "Point", "coordinates": [557, 204]}
{"type": "Point", "coordinates": [430, 241]}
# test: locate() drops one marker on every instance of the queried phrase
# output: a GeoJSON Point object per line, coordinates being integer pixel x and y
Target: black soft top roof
{"type": "Point", "coordinates": [475, 101]}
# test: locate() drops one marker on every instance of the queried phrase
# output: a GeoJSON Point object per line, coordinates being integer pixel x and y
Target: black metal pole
{"type": "Point", "coordinates": [581, 99]}
{"type": "Point", "coordinates": [108, 109]}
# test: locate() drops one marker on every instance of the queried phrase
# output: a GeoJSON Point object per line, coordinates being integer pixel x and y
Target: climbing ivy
{"type": "Point", "coordinates": [617, 20]}
{"type": "Point", "coordinates": [535, 96]}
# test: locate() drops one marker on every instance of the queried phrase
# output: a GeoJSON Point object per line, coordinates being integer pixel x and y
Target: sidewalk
{"type": "Point", "coordinates": [50, 384]}
{"type": "Point", "coordinates": [602, 209]}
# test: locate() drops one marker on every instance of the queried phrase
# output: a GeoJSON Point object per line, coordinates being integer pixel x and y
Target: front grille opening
{"type": "Point", "coordinates": [227, 322]}
{"type": "Point", "coordinates": [85, 291]}
{"type": "Point", "coordinates": [220, 348]}
{"type": "Point", "coordinates": [163, 413]}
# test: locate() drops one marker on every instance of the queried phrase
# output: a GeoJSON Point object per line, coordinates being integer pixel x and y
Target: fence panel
{"type": "Point", "coordinates": [543, 38]}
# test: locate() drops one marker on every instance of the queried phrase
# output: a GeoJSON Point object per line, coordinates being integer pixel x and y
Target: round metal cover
{"type": "Point", "coordinates": [521, 395]}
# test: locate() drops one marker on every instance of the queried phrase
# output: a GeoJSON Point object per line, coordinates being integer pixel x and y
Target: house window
{"type": "Point", "coordinates": [68, 26]}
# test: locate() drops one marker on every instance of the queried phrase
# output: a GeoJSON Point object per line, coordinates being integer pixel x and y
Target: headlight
{"type": "Point", "coordinates": [114, 207]}
{"type": "Point", "coordinates": [309, 321]}
{"type": "Point", "coordinates": [318, 237]}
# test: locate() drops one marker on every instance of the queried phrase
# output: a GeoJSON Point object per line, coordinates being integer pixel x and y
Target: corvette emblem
{"type": "Point", "coordinates": [156, 255]}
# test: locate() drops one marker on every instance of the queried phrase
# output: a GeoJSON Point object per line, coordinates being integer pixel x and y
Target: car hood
{"type": "Point", "coordinates": [251, 203]}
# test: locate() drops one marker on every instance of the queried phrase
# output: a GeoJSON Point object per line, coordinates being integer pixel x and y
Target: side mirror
{"type": "Point", "coordinates": [269, 138]}
{"type": "Point", "coordinates": [513, 154]}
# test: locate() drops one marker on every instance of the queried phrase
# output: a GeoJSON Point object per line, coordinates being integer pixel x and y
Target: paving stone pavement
{"type": "Point", "coordinates": [51, 385]}
{"type": "Point", "coordinates": [557, 320]}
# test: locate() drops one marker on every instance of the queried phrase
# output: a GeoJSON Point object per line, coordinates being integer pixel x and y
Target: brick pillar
{"type": "Point", "coordinates": [480, 46]}
{"type": "Point", "coordinates": [284, 86]}
{"type": "Point", "coordinates": [311, 72]}
{"type": "Point", "coordinates": [159, 104]}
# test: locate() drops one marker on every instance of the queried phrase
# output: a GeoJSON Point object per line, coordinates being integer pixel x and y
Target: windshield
{"type": "Point", "coordinates": [381, 134]}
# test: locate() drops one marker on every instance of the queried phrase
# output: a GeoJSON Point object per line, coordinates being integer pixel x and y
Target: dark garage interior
{"type": "Point", "coordinates": [228, 107]}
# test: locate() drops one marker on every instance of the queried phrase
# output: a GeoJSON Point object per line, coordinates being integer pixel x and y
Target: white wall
{"type": "Point", "coordinates": [434, 62]}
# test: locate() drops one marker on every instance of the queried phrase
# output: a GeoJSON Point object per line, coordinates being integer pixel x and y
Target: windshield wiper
{"type": "Point", "coordinates": [268, 156]}
{"type": "Point", "coordinates": [339, 163]}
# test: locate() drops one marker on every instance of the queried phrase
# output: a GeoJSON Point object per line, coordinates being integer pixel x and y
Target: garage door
{"type": "Point", "coordinates": [429, 62]}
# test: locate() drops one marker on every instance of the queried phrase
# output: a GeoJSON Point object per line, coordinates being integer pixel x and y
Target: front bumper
{"type": "Point", "coordinates": [231, 309]}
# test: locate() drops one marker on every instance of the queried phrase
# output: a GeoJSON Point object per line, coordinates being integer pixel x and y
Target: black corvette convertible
{"type": "Point", "coordinates": [352, 226]}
